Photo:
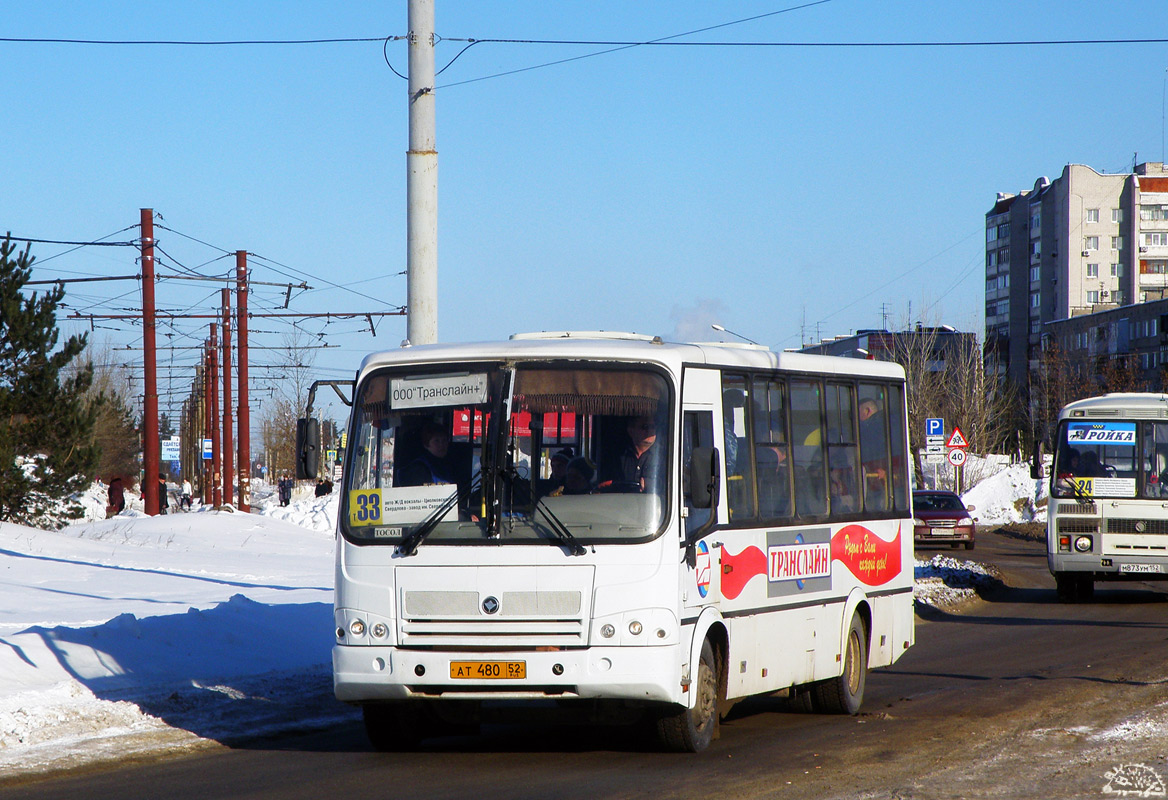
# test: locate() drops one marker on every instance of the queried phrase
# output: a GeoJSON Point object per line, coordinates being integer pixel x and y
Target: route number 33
{"type": "Point", "coordinates": [365, 507]}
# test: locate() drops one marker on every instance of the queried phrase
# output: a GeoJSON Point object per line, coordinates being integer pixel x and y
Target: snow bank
{"type": "Point", "coordinates": [945, 581]}
{"type": "Point", "coordinates": [1008, 495]}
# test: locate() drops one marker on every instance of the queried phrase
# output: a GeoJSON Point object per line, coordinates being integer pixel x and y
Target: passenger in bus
{"type": "Point", "coordinates": [774, 481]}
{"type": "Point", "coordinates": [578, 476]}
{"type": "Point", "coordinates": [873, 453]}
{"type": "Point", "coordinates": [433, 465]}
{"type": "Point", "coordinates": [1069, 464]}
{"type": "Point", "coordinates": [637, 467]}
{"type": "Point", "coordinates": [559, 465]}
{"type": "Point", "coordinates": [1090, 466]}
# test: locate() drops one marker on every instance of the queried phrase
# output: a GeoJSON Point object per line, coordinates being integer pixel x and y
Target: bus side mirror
{"type": "Point", "coordinates": [703, 477]}
{"type": "Point", "coordinates": [307, 448]}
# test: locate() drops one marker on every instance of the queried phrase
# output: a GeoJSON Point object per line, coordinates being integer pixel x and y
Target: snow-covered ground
{"type": "Point", "coordinates": [139, 632]}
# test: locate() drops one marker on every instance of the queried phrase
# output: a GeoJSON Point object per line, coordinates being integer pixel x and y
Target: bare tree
{"type": "Point", "coordinates": [279, 415]}
{"type": "Point", "coordinates": [111, 395]}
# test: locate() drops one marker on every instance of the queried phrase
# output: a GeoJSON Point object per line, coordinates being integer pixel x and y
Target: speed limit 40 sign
{"type": "Point", "coordinates": [956, 457]}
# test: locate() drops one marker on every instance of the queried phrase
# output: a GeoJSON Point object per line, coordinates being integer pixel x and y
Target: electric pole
{"type": "Point", "coordinates": [421, 181]}
{"type": "Point", "coordinates": [151, 457]}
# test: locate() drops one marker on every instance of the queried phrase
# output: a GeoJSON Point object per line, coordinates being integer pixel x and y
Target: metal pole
{"type": "Point", "coordinates": [208, 413]}
{"type": "Point", "coordinates": [216, 475]}
{"type": "Point", "coordinates": [244, 460]}
{"type": "Point", "coordinates": [151, 457]}
{"type": "Point", "coordinates": [228, 414]}
{"type": "Point", "coordinates": [421, 181]}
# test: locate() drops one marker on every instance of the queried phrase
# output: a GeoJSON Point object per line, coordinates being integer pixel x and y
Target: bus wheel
{"type": "Point", "coordinates": [843, 695]}
{"type": "Point", "coordinates": [395, 727]}
{"type": "Point", "coordinates": [692, 729]}
{"type": "Point", "coordinates": [1073, 588]}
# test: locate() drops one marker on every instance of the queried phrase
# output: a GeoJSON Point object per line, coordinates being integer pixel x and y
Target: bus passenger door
{"type": "Point", "coordinates": [699, 582]}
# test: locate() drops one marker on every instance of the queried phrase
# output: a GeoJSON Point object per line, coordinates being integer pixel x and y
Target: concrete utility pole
{"type": "Point", "coordinates": [151, 457]}
{"type": "Point", "coordinates": [421, 181]}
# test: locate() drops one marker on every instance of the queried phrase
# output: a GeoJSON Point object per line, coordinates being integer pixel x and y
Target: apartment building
{"type": "Point", "coordinates": [1083, 244]}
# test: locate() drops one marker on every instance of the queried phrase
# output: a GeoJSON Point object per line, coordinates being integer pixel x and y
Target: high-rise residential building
{"type": "Point", "coordinates": [1085, 243]}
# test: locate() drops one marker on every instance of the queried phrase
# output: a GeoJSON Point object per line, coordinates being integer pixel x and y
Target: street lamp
{"type": "Point", "coordinates": [718, 327]}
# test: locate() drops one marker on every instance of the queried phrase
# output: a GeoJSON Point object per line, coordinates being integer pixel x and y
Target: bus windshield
{"type": "Point", "coordinates": [1096, 459]}
{"type": "Point", "coordinates": [508, 453]}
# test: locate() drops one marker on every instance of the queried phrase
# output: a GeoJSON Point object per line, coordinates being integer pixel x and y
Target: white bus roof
{"type": "Point", "coordinates": [1119, 404]}
{"type": "Point", "coordinates": [615, 346]}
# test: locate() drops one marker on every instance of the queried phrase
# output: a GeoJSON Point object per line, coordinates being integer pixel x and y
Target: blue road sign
{"type": "Point", "coordinates": [934, 426]}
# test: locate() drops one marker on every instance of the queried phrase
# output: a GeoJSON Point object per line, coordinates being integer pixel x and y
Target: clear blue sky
{"type": "Point", "coordinates": [780, 191]}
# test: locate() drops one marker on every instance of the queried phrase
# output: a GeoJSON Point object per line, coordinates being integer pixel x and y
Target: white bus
{"type": "Point", "coordinates": [1107, 517]}
{"type": "Point", "coordinates": [615, 525]}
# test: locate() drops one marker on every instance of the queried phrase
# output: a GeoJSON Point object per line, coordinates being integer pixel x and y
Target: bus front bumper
{"type": "Point", "coordinates": [648, 674]}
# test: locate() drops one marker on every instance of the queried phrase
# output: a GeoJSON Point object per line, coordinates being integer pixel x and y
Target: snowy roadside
{"type": "Point", "coordinates": [139, 634]}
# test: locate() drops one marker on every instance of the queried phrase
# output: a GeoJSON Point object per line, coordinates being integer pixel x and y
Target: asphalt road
{"type": "Point", "coordinates": [1012, 696]}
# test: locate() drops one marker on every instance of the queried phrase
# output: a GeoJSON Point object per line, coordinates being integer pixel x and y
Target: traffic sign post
{"type": "Point", "coordinates": [934, 426]}
{"type": "Point", "coordinates": [957, 457]}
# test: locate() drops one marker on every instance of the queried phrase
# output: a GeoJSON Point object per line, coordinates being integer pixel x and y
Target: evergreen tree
{"type": "Point", "coordinates": [46, 453]}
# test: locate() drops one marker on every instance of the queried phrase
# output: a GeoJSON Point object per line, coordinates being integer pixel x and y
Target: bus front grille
{"type": "Point", "coordinates": [1077, 508]}
{"type": "Point", "coordinates": [1153, 526]}
{"type": "Point", "coordinates": [1078, 526]}
{"type": "Point", "coordinates": [517, 619]}
{"type": "Point", "coordinates": [495, 634]}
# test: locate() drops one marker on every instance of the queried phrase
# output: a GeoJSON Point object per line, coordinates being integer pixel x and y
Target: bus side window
{"type": "Point", "coordinates": [807, 445]}
{"type": "Point", "coordinates": [896, 417]}
{"type": "Point", "coordinates": [739, 481]}
{"type": "Point", "coordinates": [842, 451]}
{"type": "Point", "coordinates": [771, 453]}
{"type": "Point", "coordinates": [874, 447]}
{"type": "Point", "coordinates": [697, 431]}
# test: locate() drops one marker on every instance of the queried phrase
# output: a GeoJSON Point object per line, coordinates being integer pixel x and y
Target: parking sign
{"type": "Point", "coordinates": [934, 426]}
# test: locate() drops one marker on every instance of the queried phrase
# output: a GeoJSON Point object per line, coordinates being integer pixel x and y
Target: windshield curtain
{"type": "Point", "coordinates": [589, 443]}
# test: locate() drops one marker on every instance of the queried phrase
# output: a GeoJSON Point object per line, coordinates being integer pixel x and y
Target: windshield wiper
{"type": "Point", "coordinates": [560, 529]}
{"type": "Point", "coordinates": [409, 543]}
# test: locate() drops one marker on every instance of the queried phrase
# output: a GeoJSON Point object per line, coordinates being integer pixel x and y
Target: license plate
{"type": "Point", "coordinates": [488, 670]}
{"type": "Point", "coordinates": [1139, 568]}
{"type": "Point", "coordinates": [940, 531]}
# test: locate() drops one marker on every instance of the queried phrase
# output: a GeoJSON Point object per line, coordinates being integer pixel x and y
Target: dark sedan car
{"type": "Point", "coordinates": [940, 517]}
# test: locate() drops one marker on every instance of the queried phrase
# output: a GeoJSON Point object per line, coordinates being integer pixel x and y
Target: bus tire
{"type": "Point", "coordinates": [845, 694]}
{"type": "Point", "coordinates": [692, 729]}
{"type": "Point", "coordinates": [394, 727]}
{"type": "Point", "coordinates": [1073, 588]}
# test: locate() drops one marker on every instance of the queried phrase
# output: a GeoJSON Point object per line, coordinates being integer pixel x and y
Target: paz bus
{"type": "Point", "coordinates": [1106, 518]}
{"type": "Point", "coordinates": [615, 527]}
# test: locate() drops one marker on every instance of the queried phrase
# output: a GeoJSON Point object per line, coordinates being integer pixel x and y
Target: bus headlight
{"type": "Point", "coordinates": [379, 630]}
{"type": "Point", "coordinates": [607, 631]}
{"type": "Point", "coordinates": [1083, 544]}
{"type": "Point", "coordinates": [635, 628]}
{"type": "Point", "coordinates": [357, 627]}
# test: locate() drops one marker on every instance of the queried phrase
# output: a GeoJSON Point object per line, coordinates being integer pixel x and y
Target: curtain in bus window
{"type": "Point", "coordinates": [874, 447]}
{"type": "Point", "coordinates": [843, 456]}
{"type": "Point", "coordinates": [1155, 459]}
{"type": "Point", "coordinates": [898, 448]}
{"type": "Point", "coordinates": [771, 453]}
{"type": "Point", "coordinates": [739, 481]}
{"type": "Point", "coordinates": [807, 449]}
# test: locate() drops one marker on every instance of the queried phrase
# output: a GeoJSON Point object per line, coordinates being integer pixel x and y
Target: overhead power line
{"type": "Point", "coordinates": [195, 42]}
